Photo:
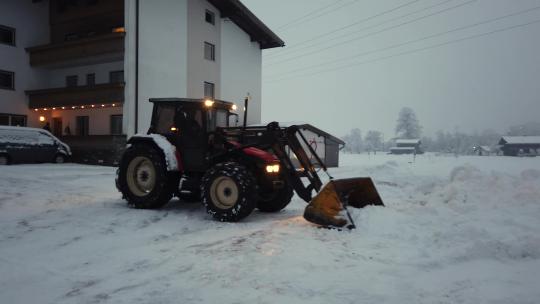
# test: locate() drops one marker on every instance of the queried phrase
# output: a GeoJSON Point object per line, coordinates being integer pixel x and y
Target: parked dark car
{"type": "Point", "coordinates": [30, 145]}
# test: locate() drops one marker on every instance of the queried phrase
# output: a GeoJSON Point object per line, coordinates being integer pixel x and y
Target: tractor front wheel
{"type": "Point", "coordinates": [143, 178]}
{"type": "Point", "coordinates": [229, 192]}
{"type": "Point", "coordinates": [275, 200]}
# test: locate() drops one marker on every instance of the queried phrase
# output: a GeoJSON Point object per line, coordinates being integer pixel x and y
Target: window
{"type": "Point", "coordinates": [210, 17]}
{"type": "Point", "coordinates": [116, 124]}
{"type": "Point", "coordinates": [7, 80]}
{"type": "Point", "coordinates": [165, 119]}
{"type": "Point", "coordinates": [18, 120]}
{"type": "Point", "coordinates": [90, 79]}
{"type": "Point", "coordinates": [82, 125]}
{"type": "Point", "coordinates": [12, 120]}
{"type": "Point", "coordinates": [72, 81]}
{"type": "Point", "coordinates": [208, 90]}
{"type": "Point", "coordinates": [44, 139]}
{"type": "Point", "coordinates": [116, 77]}
{"type": "Point", "coordinates": [209, 51]}
{"type": "Point", "coordinates": [7, 35]}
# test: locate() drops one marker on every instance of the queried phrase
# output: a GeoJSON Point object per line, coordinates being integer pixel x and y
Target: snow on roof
{"type": "Point", "coordinates": [408, 141]}
{"type": "Point", "coordinates": [402, 148]}
{"type": "Point", "coordinates": [520, 140]}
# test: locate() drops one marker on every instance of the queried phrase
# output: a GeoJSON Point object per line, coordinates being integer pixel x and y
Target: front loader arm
{"type": "Point", "coordinates": [291, 137]}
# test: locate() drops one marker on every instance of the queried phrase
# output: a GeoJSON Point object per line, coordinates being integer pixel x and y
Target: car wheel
{"type": "Point", "coordinates": [143, 178]}
{"type": "Point", "coordinates": [4, 160]}
{"type": "Point", "coordinates": [229, 192]}
{"type": "Point", "coordinates": [59, 159]}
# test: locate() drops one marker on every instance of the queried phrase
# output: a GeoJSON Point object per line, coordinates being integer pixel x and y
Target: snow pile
{"type": "Point", "coordinates": [454, 230]}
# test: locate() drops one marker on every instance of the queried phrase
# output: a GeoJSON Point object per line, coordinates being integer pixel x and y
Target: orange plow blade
{"type": "Point", "coordinates": [329, 207]}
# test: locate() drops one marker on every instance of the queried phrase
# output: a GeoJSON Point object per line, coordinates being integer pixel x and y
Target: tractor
{"type": "Point", "coordinates": [195, 150]}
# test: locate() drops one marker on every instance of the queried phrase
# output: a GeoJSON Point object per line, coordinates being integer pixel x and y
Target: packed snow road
{"type": "Point", "coordinates": [455, 230]}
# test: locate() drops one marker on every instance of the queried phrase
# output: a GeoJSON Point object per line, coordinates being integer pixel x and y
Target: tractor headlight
{"type": "Point", "coordinates": [272, 168]}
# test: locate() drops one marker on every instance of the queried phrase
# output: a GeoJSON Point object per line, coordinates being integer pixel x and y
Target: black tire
{"type": "Point", "coordinates": [276, 200]}
{"type": "Point", "coordinates": [143, 178]}
{"type": "Point", "coordinates": [4, 160]}
{"type": "Point", "coordinates": [59, 159]}
{"type": "Point", "coordinates": [229, 192]}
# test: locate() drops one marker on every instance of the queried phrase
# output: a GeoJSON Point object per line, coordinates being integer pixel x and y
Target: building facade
{"type": "Point", "coordinates": [520, 145]}
{"type": "Point", "coordinates": [86, 68]}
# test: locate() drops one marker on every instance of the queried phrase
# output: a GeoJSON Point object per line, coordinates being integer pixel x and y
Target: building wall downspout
{"type": "Point", "coordinates": [136, 66]}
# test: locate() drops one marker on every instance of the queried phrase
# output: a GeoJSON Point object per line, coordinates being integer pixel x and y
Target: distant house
{"type": "Point", "coordinates": [407, 146]}
{"type": "Point", "coordinates": [482, 150]}
{"type": "Point", "coordinates": [520, 145]}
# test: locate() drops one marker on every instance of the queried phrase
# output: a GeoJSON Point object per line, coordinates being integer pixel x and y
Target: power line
{"type": "Point", "coordinates": [414, 50]}
{"type": "Point", "coordinates": [374, 33]}
{"type": "Point", "coordinates": [288, 49]}
{"type": "Point", "coordinates": [309, 14]}
{"type": "Point", "coordinates": [416, 40]}
{"type": "Point", "coordinates": [319, 15]}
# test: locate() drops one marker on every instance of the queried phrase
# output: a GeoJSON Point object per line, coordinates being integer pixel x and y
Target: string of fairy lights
{"type": "Point", "coordinates": [81, 107]}
{"type": "Point", "coordinates": [91, 106]}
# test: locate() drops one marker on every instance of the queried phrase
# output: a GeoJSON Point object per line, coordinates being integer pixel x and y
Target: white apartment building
{"type": "Point", "coordinates": [88, 67]}
{"type": "Point", "coordinates": [194, 49]}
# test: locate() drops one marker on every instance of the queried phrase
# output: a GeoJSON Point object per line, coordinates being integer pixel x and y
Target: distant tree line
{"type": "Point", "coordinates": [408, 127]}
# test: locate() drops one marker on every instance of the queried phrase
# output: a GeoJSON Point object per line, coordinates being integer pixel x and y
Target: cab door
{"type": "Point", "coordinates": [192, 138]}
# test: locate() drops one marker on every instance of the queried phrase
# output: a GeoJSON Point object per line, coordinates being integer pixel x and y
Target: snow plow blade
{"type": "Point", "coordinates": [329, 207]}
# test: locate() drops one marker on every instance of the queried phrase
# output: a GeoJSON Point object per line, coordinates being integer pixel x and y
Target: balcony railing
{"type": "Point", "coordinates": [76, 96]}
{"type": "Point", "coordinates": [92, 50]}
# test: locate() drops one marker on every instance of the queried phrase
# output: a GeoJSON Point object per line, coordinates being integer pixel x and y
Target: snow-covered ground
{"type": "Point", "coordinates": [455, 230]}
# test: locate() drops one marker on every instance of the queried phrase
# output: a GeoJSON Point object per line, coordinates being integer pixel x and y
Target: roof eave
{"type": "Point", "coordinates": [248, 22]}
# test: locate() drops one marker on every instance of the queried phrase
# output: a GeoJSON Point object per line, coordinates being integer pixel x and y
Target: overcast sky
{"type": "Point", "coordinates": [362, 75]}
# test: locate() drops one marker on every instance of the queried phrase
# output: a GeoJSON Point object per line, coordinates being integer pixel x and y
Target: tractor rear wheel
{"type": "Point", "coordinates": [274, 201]}
{"type": "Point", "coordinates": [229, 192]}
{"type": "Point", "coordinates": [143, 178]}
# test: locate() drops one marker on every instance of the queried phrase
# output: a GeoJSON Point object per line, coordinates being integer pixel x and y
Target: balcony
{"type": "Point", "coordinates": [92, 50]}
{"type": "Point", "coordinates": [76, 96]}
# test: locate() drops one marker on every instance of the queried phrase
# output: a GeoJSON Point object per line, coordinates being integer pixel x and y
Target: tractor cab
{"type": "Point", "coordinates": [190, 124]}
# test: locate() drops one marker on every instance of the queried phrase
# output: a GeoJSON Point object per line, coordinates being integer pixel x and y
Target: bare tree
{"type": "Point", "coordinates": [373, 140]}
{"type": "Point", "coordinates": [407, 124]}
{"type": "Point", "coordinates": [353, 141]}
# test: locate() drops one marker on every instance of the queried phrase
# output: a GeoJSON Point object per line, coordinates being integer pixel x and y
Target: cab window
{"type": "Point", "coordinates": [217, 118]}
{"type": "Point", "coordinates": [221, 118]}
{"type": "Point", "coordinates": [165, 118]}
